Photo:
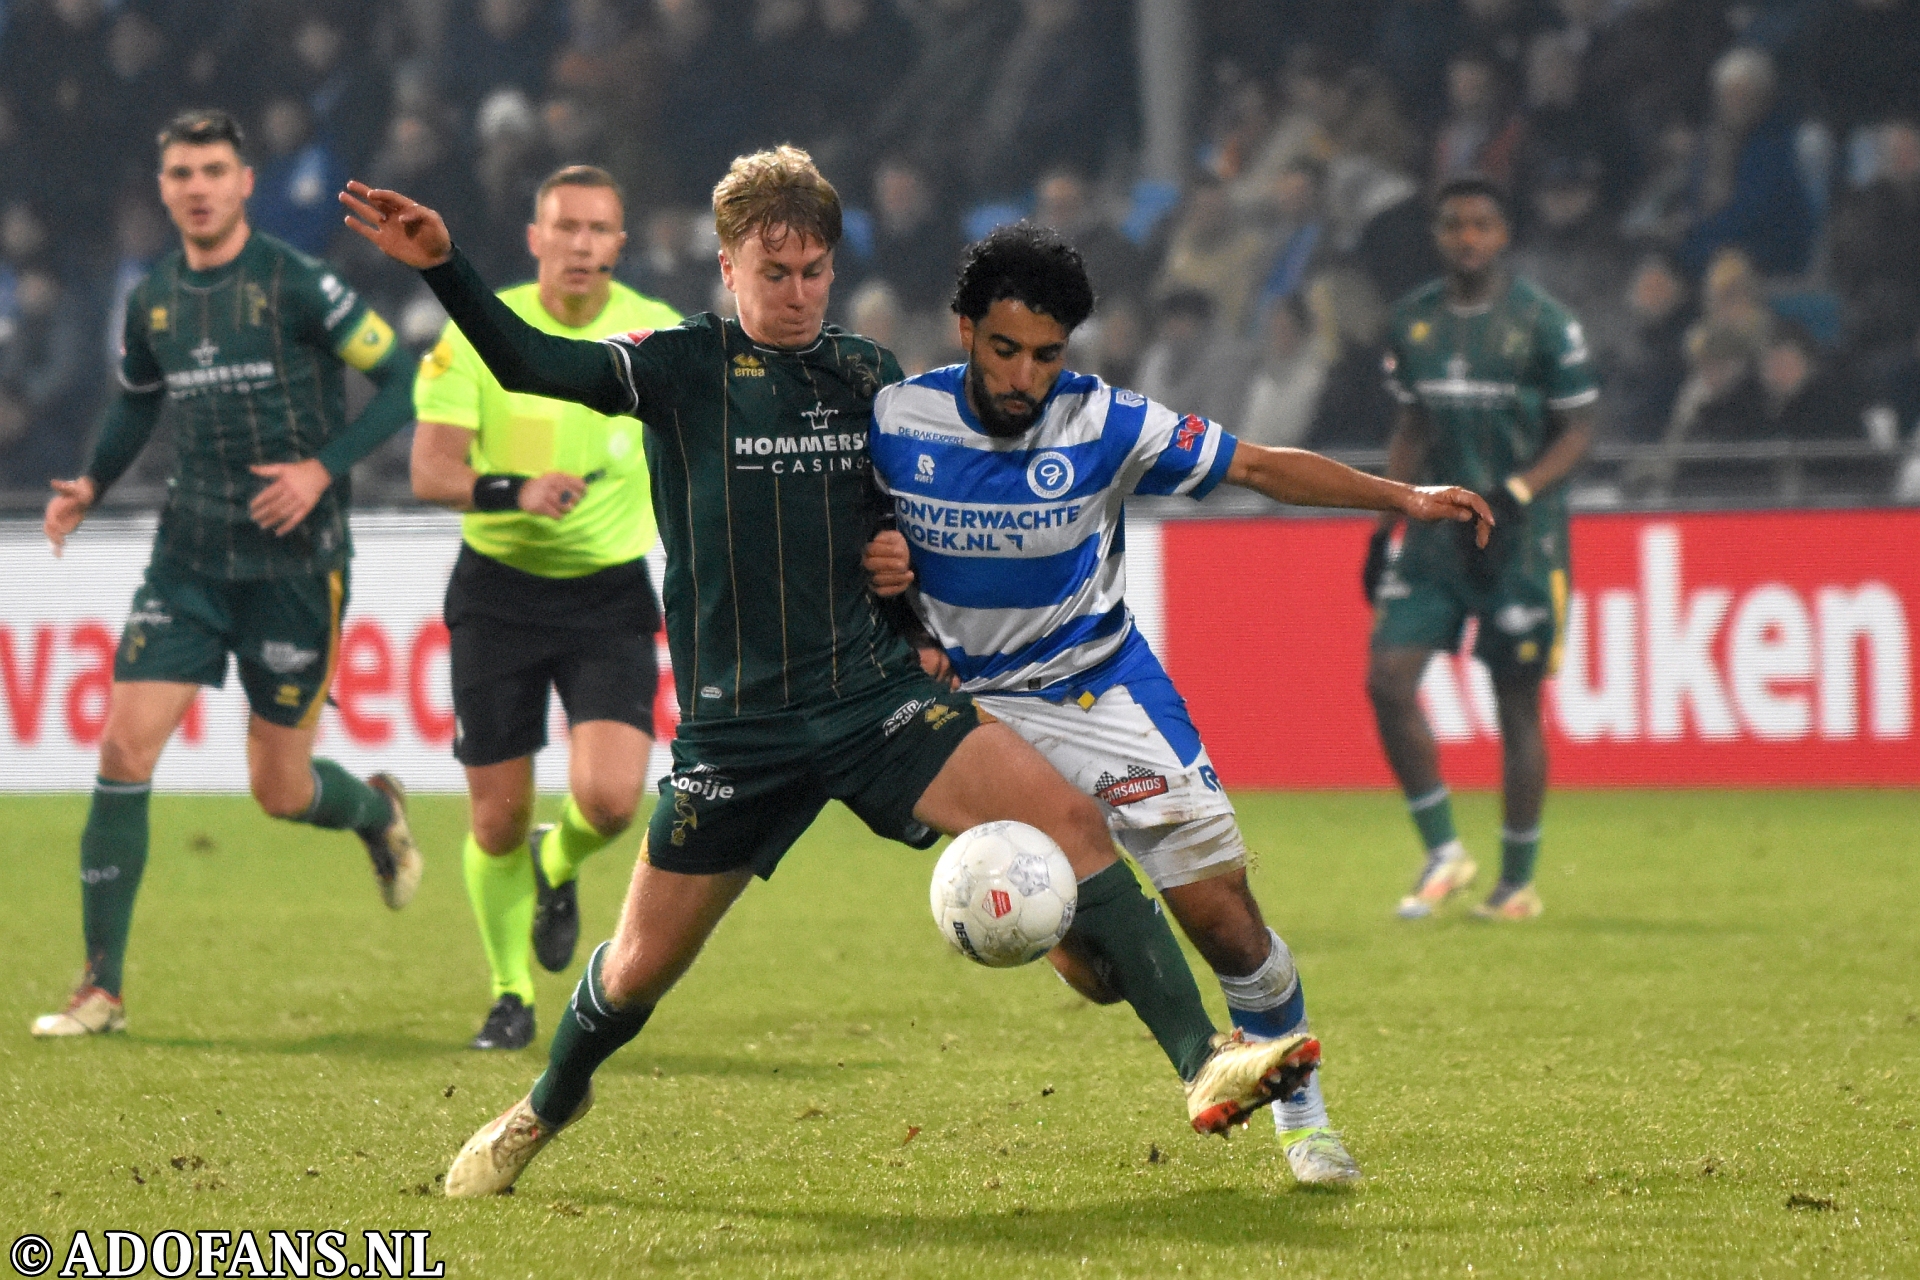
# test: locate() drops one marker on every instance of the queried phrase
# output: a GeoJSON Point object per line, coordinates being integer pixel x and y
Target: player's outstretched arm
{"type": "Point", "coordinates": [1306, 479]}
{"type": "Point", "coordinates": [520, 356]}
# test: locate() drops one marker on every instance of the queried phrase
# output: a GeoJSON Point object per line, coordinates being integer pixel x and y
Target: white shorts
{"type": "Point", "coordinates": [1136, 752]}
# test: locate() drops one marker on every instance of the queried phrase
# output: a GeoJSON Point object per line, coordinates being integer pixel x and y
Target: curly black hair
{"type": "Point", "coordinates": [1472, 184]}
{"type": "Point", "coordinates": [1030, 264]}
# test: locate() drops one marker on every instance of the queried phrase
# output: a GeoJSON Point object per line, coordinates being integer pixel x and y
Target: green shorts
{"type": "Point", "coordinates": [1429, 592]}
{"type": "Point", "coordinates": [284, 632]}
{"type": "Point", "coordinates": [742, 791]}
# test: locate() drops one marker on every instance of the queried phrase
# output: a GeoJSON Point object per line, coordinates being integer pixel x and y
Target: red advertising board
{"type": "Point", "coordinates": [1742, 649]}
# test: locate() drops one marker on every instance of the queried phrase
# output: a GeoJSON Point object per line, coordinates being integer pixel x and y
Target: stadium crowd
{"type": "Point", "coordinates": [1728, 195]}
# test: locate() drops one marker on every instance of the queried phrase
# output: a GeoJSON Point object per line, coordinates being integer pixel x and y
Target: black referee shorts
{"type": "Point", "coordinates": [502, 671]}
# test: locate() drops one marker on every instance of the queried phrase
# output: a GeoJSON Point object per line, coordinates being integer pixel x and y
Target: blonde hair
{"type": "Point", "coordinates": [778, 187]}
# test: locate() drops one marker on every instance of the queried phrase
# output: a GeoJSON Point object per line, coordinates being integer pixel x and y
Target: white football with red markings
{"type": "Point", "coordinates": [1003, 894]}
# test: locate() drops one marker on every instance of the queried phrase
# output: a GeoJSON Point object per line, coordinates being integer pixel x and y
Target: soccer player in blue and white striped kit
{"type": "Point", "coordinates": [1008, 476]}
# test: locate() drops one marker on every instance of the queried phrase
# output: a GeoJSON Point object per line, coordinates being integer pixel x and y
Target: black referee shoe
{"type": "Point", "coordinates": [556, 913]}
{"type": "Point", "coordinates": [509, 1025]}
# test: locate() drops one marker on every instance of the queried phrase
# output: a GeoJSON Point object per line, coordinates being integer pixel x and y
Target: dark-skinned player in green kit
{"type": "Point", "coordinates": [1496, 389]}
{"type": "Point", "coordinates": [243, 343]}
{"type": "Point", "coordinates": [794, 690]}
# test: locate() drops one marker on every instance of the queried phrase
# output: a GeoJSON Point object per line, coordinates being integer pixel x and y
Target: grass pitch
{"type": "Point", "coordinates": [1701, 1061]}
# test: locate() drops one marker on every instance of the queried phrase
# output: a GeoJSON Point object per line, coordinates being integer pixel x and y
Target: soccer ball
{"type": "Point", "coordinates": [1003, 894]}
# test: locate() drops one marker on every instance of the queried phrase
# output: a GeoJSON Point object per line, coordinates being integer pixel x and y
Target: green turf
{"type": "Point", "coordinates": [1701, 1061]}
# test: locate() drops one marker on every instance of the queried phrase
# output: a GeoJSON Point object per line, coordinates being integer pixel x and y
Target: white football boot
{"type": "Point", "coordinates": [497, 1155]}
{"type": "Point", "coordinates": [1244, 1075]}
{"type": "Point", "coordinates": [91, 1012]}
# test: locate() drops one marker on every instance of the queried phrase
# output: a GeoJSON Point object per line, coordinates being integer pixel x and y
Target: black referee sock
{"type": "Point", "coordinates": [113, 857]}
{"type": "Point", "coordinates": [1148, 969]}
{"type": "Point", "coordinates": [590, 1032]}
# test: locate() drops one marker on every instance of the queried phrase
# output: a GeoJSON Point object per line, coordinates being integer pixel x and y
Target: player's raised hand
{"type": "Point", "coordinates": [888, 564]}
{"type": "Point", "coordinates": [405, 230]}
{"type": "Point", "coordinates": [1450, 502]}
{"type": "Point", "coordinates": [552, 495]}
{"type": "Point", "coordinates": [292, 490]}
{"type": "Point", "coordinates": [68, 506]}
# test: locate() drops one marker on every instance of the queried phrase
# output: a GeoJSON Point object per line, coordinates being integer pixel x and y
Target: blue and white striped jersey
{"type": "Point", "coordinates": [1019, 545]}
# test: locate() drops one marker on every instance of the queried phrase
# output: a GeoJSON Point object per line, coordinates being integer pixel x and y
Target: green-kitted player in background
{"type": "Point", "coordinates": [550, 589]}
{"type": "Point", "coordinates": [244, 342]}
{"type": "Point", "coordinates": [1496, 391]}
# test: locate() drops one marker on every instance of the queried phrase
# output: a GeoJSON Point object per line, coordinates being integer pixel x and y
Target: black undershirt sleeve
{"type": "Point", "coordinates": [520, 356]}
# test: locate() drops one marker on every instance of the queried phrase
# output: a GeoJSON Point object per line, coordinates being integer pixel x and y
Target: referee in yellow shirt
{"type": "Point", "coordinates": [550, 589]}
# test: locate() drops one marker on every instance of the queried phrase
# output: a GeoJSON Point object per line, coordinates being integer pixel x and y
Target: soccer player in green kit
{"type": "Point", "coordinates": [1496, 390]}
{"type": "Point", "coordinates": [244, 343]}
{"type": "Point", "coordinates": [793, 689]}
{"type": "Point", "coordinates": [551, 589]}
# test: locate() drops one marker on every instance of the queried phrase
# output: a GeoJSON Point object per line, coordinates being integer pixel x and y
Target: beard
{"type": "Point", "coordinates": [994, 420]}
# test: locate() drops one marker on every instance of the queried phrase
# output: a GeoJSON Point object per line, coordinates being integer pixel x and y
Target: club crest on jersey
{"type": "Point", "coordinates": [1050, 474]}
{"type": "Point", "coordinates": [1191, 428]}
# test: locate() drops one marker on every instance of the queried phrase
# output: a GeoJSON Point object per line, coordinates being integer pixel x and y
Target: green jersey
{"type": "Point", "coordinates": [1486, 380]}
{"type": "Point", "coordinates": [250, 357]}
{"type": "Point", "coordinates": [761, 486]}
{"type": "Point", "coordinates": [530, 435]}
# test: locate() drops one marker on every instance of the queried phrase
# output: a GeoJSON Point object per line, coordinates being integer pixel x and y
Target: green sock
{"type": "Point", "coordinates": [1129, 931]}
{"type": "Point", "coordinates": [572, 843]}
{"type": "Point", "coordinates": [113, 856]}
{"type": "Point", "coordinates": [501, 890]}
{"type": "Point", "coordinates": [1518, 851]}
{"type": "Point", "coordinates": [1433, 815]}
{"type": "Point", "coordinates": [590, 1032]}
{"type": "Point", "coordinates": [341, 802]}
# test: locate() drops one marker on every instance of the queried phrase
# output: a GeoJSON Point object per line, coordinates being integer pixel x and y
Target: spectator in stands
{"type": "Point", "coordinates": [1382, 223]}
{"type": "Point", "coordinates": [1569, 248]}
{"type": "Point", "coordinates": [916, 246]}
{"type": "Point", "coordinates": [667, 264]}
{"type": "Point", "coordinates": [1215, 254]}
{"type": "Point", "coordinates": [1120, 341]}
{"type": "Point", "coordinates": [1875, 244]}
{"type": "Point", "coordinates": [1747, 191]}
{"type": "Point", "coordinates": [146, 83]}
{"type": "Point", "coordinates": [1188, 362]}
{"type": "Point", "coordinates": [346, 96]}
{"type": "Point", "coordinates": [852, 65]}
{"type": "Point", "coordinates": [1416, 37]}
{"type": "Point", "coordinates": [497, 44]}
{"type": "Point", "coordinates": [1482, 132]}
{"type": "Point", "coordinates": [1296, 226]}
{"type": "Point", "coordinates": [1719, 402]}
{"type": "Point", "coordinates": [1307, 80]}
{"type": "Point", "coordinates": [296, 180]}
{"type": "Point", "coordinates": [1862, 60]}
{"type": "Point", "coordinates": [1283, 394]}
{"type": "Point", "coordinates": [1350, 320]}
{"type": "Point", "coordinates": [1806, 395]}
{"type": "Point", "coordinates": [1115, 264]}
{"type": "Point", "coordinates": [1061, 90]}
{"type": "Point", "coordinates": [1502, 31]}
{"type": "Point", "coordinates": [1648, 370]}
{"type": "Point", "coordinates": [46, 358]}
{"type": "Point", "coordinates": [1660, 210]}
{"type": "Point", "coordinates": [960, 45]}
{"type": "Point", "coordinates": [54, 62]}
{"type": "Point", "coordinates": [512, 161]}
{"type": "Point", "coordinates": [1651, 63]}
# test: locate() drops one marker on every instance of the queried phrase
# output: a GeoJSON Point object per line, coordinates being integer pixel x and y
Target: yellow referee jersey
{"type": "Point", "coordinates": [528, 435]}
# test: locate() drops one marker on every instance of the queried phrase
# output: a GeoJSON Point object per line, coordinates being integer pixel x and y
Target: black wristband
{"type": "Point", "coordinates": [497, 493]}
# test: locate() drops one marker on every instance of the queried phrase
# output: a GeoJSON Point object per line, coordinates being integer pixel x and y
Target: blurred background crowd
{"type": "Point", "coordinates": [1728, 195]}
